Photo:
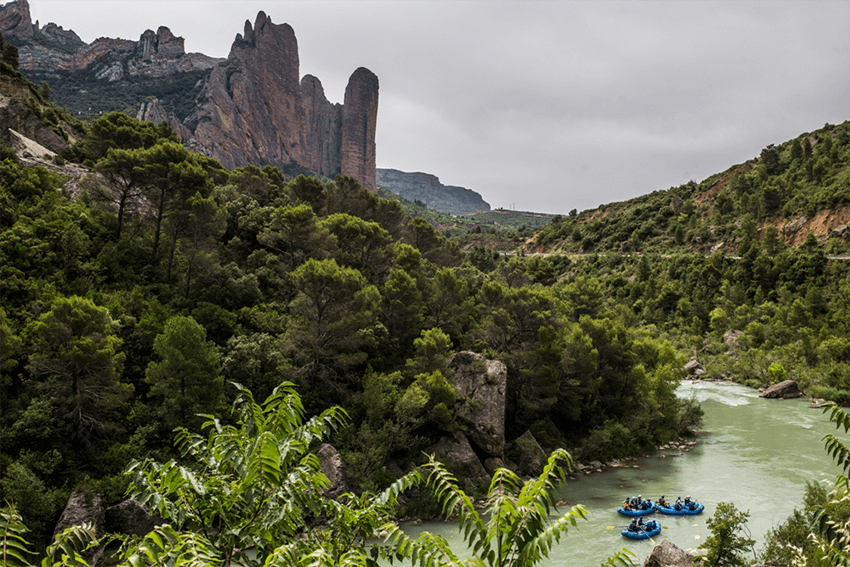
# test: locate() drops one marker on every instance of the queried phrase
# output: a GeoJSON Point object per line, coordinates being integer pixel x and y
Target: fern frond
{"type": "Point", "coordinates": [13, 547]}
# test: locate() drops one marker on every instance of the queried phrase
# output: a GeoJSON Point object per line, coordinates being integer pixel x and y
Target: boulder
{"type": "Point", "coordinates": [667, 554]}
{"type": "Point", "coordinates": [458, 456]}
{"type": "Point", "coordinates": [130, 518]}
{"type": "Point", "coordinates": [784, 390]}
{"type": "Point", "coordinates": [482, 385]}
{"type": "Point", "coordinates": [527, 454]}
{"type": "Point", "coordinates": [332, 467]}
{"type": "Point", "coordinates": [83, 507]}
{"type": "Point", "coordinates": [694, 368]}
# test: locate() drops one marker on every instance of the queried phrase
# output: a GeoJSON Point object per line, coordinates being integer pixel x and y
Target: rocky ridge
{"type": "Point", "coordinates": [52, 49]}
{"type": "Point", "coordinates": [427, 188]}
{"type": "Point", "coordinates": [252, 107]}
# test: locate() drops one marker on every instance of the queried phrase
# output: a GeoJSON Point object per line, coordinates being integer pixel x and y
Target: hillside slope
{"type": "Point", "coordinates": [799, 187]}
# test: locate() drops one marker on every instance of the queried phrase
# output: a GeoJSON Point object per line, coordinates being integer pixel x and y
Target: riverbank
{"type": "Point", "coordinates": [753, 452]}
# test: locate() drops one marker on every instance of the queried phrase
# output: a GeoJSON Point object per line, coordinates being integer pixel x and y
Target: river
{"type": "Point", "coordinates": [755, 453]}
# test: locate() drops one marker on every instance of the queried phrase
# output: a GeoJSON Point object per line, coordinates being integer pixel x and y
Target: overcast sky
{"type": "Point", "coordinates": [545, 106]}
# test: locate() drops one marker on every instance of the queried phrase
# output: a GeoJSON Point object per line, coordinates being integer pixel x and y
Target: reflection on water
{"type": "Point", "coordinates": [756, 453]}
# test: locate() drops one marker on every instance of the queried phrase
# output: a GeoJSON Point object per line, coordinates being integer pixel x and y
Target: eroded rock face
{"type": "Point", "coordinates": [482, 385]}
{"type": "Point", "coordinates": [15, 19]}
{"type": "Point", "coordinates": [322, 149]}
{"type": "Point", "coordinates": [17, 116]}
{"type": "Point", "coordinates": [297, 122]}
{"type": "Point", "coordinates": [359, 120]}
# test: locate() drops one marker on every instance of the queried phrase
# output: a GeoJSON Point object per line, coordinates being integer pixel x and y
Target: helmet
{"type": "Point", "coordinates": [639, 496]}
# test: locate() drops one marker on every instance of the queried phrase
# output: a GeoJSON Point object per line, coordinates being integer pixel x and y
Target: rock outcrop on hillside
{"type": "Point", "coordinates": [427, 189]}
{"type": "Point", "coordinates": [252, 107]}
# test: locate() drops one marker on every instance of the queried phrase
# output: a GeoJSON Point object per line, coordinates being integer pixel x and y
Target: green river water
{"type": "Point", "coordinates": [753, 452]}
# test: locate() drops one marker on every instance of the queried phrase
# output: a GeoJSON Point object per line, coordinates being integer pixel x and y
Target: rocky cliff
{"type": "Point", "coordinates": [427, 189]}
{"type": "Point", "coordinates": [254, 109]}
{"type": "Point", "coordinates": [250, 108]}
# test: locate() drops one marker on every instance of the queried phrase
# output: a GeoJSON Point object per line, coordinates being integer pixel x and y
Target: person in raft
{"type": "Point", "coordinates": [662, 501]}
{"type": "Point", "coordinates": [627, 504]}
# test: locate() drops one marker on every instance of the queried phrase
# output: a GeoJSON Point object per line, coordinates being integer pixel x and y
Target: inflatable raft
{"type": "Point", "coordinates": [650, 529]}
{"type": "Point", "coordinates": [635, 513]}
{"type": "Point", "coordinates": [685, 511]}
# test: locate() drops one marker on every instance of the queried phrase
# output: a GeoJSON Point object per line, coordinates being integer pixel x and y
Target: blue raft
{"type": "Point", "coordinates": [635, 513]}
{"type": "Point", "coordinates": [650, 529]}
{"type": "Point", "coordinates": [685, 511]}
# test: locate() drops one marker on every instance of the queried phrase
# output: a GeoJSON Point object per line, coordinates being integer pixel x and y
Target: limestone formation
{"type": "Point", "coordinates": [359, 120]}
{"type": "Point", "coordinates": [322, 151]}
{"type": "Point", "coordinates": [298, 125]}
{"type": "Point", "coordinates": [667, 554]}
{"type": "Point", "coordinates": [15, 19]}
{"type": "Point", "coordinates": [784, 390]}
{"type": "Point", "coordinates": [481, 385]}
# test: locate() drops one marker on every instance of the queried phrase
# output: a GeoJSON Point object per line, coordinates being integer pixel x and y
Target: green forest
{"type": "Point", "coordinates": [169, 323]}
